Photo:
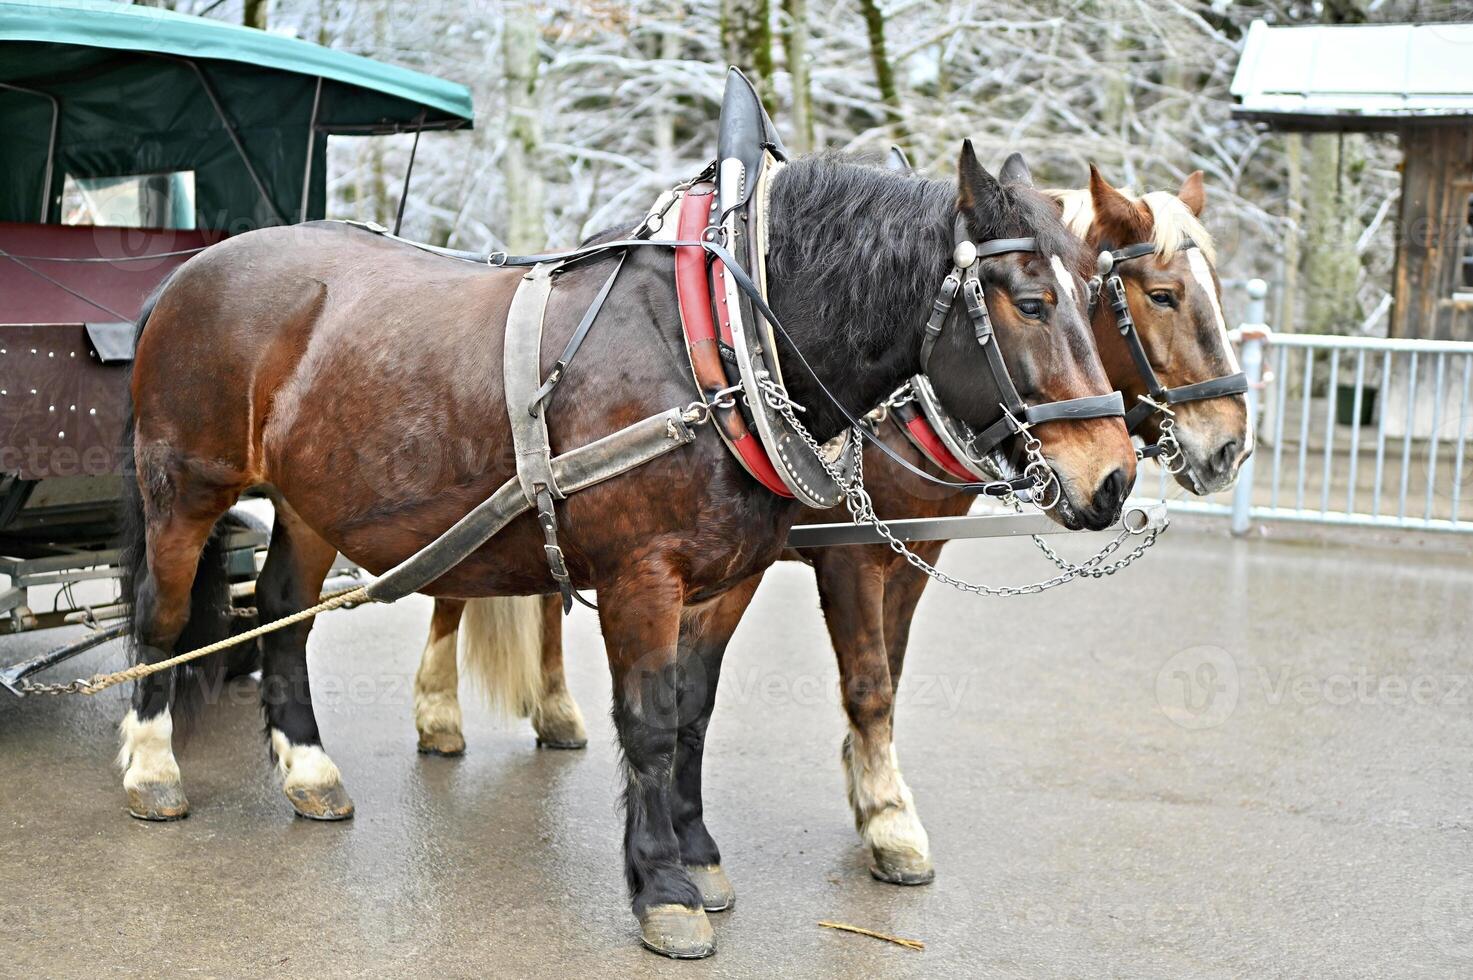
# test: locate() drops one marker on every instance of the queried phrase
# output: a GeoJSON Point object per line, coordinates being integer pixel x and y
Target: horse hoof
{"type": "Point", "coordinates": [158, 801]}
{"type": "Point", "coordinates": [717, 895]}
{"type": "Point", "coordinates": [441, 743]}
{"type": "Point", "coordinates": [902, 870]}
{"type": "Point", "coordinates": [677, 932]}
{"type": "Point", "coordinates": [558, 743]}
{"type": "Point", "coordinates": [559, 724]}
{"type": "Point", "coordinates": [321, 802]}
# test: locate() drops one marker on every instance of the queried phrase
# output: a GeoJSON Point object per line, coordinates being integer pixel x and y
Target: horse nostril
{"type": "Point", "coordinates": [1110, 493]}
{"type": "Point", "coordinates": [1226, 456]}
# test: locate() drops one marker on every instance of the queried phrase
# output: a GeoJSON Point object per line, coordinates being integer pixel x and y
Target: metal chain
{"type": "Point", "coordinates": [1092, 566]}
{"type": "Point", "coordinates": [29, 688]}
{"type": "Point", "coordinates": [861, 511]}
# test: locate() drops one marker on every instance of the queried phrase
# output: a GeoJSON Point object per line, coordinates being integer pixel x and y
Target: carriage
{"type": "Point", "coordinates": [136, 136]}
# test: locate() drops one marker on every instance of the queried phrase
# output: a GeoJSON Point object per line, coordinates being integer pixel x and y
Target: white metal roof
{"type": "Point", "coordinates": [1359, 71]}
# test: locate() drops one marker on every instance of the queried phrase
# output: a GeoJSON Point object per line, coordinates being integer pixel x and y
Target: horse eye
{"type": "Point", "coordinates": [1164, 297]}
{"type": "Point", "coordinates": [1031, 308]}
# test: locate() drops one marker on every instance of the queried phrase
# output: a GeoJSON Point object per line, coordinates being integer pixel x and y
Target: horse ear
{"type": "Point", "coordinates": [976, 188]}
{"type": "Point", "coordinates": [1015, 171]}
{"type": "Point", "coordinates": [1113, 210]}
{"type": "Point", "coordinates": [1193, 194]}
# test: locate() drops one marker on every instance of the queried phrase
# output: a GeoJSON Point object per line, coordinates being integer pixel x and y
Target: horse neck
{"type": "Point", "coordinates": [852, 282]}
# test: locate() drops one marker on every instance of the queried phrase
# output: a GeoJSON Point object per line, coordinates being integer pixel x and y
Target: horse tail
{"type": "Point", "coordinates": [501, 648]}
{"type": "Point", "coordinates": [209, 601]}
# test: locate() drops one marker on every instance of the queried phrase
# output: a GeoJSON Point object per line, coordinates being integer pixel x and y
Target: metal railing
{"type": "Point", "coordinates": [1354, 431]}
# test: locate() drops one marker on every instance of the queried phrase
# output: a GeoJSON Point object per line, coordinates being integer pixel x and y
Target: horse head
{"type": "Point", "coordinates": [1175, 300]}
{"type": "Point", "coordinates": [1038, 305]}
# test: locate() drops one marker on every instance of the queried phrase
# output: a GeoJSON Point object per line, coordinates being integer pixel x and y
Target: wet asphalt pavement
{"type": "Point", "coordinates": [1237, 759]}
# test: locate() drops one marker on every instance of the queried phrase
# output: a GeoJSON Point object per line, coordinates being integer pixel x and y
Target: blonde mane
{"type": "Point", "coordinates": [1172, 221]}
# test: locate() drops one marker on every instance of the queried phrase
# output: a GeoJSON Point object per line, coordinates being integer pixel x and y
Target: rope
{"type": "Point", "coordinates": [101, 682]}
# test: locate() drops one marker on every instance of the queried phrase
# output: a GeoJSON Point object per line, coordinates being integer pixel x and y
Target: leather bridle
{"type": "Point", "coordinates": [1158, 397]}
{"type": "Point", "coordinates": [1017, 417]}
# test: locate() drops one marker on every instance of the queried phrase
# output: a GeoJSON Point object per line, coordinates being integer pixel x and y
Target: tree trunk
{"type": "Point", "coordinates": [665, 117]}
{"type": "Point", "coordinates": [378, 182]}
{"type": "Point", "coordinates": [1331, 263]}
{"type": "Point", "coordinates": [795, 48]}
{"type": "Point", "coordinates": [746, 40]}
{"type": "Point", "coordinates": [525, 231]}
{"type": "Point", "coordinates": [1332, 174]}
{"type": "Point", "coordinates": [1294, 209]}
{"type": "Point", "coordinates": [874, 23]}
{"type": "Point", "coordinates": [255, 14]}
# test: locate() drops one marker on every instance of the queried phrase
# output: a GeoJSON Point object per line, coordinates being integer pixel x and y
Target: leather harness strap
{"type": "Point", "coordinates": [577, 469]}
{"type": "Point", "coordinates": [521, 372]}
{"type": "Point", "coordinates": [543, 396]}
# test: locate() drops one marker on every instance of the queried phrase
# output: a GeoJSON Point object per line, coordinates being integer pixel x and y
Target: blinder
{"type": "Point", "coordinates": [1017, 417]}
{"type": "Point", "coordinates": [1158, 395]}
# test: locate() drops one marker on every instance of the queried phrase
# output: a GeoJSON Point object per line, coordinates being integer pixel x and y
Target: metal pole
{"type": "Point", "coordinates": [240, 149]}
{"type": "Point", "coordinates": [50, 171]}
{"type": "Point", "coordinates": [408, 171]}
{"type": "Point", "coordinates": [311, 147]}
{"type": "Point", "coordinates": [1255, 334]}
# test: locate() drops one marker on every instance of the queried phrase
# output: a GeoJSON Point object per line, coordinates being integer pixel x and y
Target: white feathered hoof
{"type": "Point", "coordinates": [159, 802]}
{"type": "Point", "coordinates": [902, 868]}
{"type": "Point", "coordinates": [717, 895]}
{"type": "Point", "coordinates": [441, 743]}
{"type": "Point", "coordinates": [311, 782]}
{"type": "Point", "coordinates": [559, 723]}
{"type": "Point", "coordinates": [677, 932]}
{"type": "Point", "coordinates": [899, 847]}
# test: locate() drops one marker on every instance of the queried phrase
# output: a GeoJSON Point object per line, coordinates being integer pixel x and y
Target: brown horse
{"type": "Point", "coordinates": [312, 360]}
{"type": "Point", "coordinates": [869, 594]}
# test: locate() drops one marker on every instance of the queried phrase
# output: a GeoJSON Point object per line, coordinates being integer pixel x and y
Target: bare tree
{"type": "Point", "coordinates": [746, 40]}
{"type": "Point", "coordinates": [521, 61]}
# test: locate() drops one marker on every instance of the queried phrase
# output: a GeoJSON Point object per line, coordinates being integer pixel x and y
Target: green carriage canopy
{"type": "Point", "coordinates": [95, 90]}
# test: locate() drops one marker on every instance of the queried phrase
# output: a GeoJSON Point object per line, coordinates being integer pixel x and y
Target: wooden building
{"type": "Point", "coordinates": [1415, 81]}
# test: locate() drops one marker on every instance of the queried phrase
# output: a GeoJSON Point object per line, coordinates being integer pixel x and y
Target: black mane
{"type": "Point", "coordinates": [860, 250]}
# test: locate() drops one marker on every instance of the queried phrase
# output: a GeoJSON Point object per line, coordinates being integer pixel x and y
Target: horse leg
{"type": "Point", "coordinates": [556, 718]}
{"type": "Point", "coordinates": [641, 614]}
{"type": "Point", "coordinates": [704, 637]}
{"type": "Point", "coordinates": [161, 587]}
{"type": "Point", "coordinates": [436, 683]}
{"type": "Point", "coordinates": [290, 581]}
{"type": "Point", "coordinates": [851, 585]}
{"type": "Point", "coordinates": [903, 590]}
